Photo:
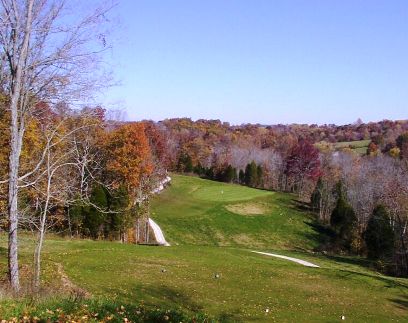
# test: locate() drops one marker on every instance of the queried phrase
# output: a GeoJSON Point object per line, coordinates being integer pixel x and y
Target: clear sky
{"type": "Point", "coordinates": [262, 61]}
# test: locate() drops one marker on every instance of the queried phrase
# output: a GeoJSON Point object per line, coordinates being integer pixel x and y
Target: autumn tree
{"type": "Point", "coordinates": [129, 162]}
{"type": "Point", "coordinates": [402, 144]}
{"type": "Point", "coordinates": [42, 59]}
{"type": "Point", "coordinates": [129, 155]}
{"type": "Point", "coordinates": [302, 164]}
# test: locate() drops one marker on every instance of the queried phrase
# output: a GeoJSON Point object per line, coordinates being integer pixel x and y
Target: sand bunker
{"type": "Point", "coordinates": [250, 208]}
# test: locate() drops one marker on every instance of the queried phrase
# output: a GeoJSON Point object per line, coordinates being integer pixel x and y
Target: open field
{"type": "Point", "coordinates": [208, 239]}
{"type": "Point", "coordinates": [358, 146]}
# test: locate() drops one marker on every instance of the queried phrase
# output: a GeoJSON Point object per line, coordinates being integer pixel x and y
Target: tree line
{"type": "Point", "coordinates": [361, 198]}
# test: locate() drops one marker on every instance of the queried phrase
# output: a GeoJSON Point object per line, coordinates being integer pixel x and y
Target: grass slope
{"type": "Point", "coordinates": [197, 211]}
{"type": "Point", "coordinates": [195, 218]}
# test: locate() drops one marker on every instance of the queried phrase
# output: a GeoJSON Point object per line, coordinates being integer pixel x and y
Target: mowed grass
{"type": "Point", "coordinates": [249, 285]}
{"type": "Point", "coordinates": [357, 146]}
{"type": "Point", "coordinates": [209, 267]}
{"type": "Point", "coordinates": [197, 211]}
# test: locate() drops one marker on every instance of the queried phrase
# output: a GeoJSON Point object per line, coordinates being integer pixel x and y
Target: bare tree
{"type": "Point", "coordinates": [45, 56]}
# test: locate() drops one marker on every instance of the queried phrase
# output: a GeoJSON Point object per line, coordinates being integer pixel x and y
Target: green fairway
{"type": "Point", "coordinates": [209, 267]}
{"type": "Point", "coordinates": [201, 212]}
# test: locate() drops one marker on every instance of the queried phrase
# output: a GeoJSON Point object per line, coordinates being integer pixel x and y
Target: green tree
{"type": "Point", "coordinates": [199, 169]}
{"type": "Point", "coordinates": [251, 174]}
{"type": "Point", "coordinates": [120, 215]}
{"type": "Point", "coordinates": [379, 236]}
{"type": "Point", "coordinates": [185, 164]}
{"type": "Point", "coordinates": [95, 215]}
{"type": "Point", "coordinates": [259, 175]}
{"type": "Point", "coordinates": [241, 176]}
{"type": "Point", "coordinates": [317, 195]}
{"type": "Point", "coordinates": [343, 220]}
{"type": "Point", "coordinates": [230, 174]}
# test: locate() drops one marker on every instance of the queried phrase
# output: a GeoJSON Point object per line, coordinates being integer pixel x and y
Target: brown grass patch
{"type": "Point", "coordinates": [250, 208]}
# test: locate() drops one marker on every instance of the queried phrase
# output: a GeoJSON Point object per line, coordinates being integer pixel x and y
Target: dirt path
{"type": "Point", "coordinates": [299, 261]}
{"type": "Point", "coordinates": [69, 286]}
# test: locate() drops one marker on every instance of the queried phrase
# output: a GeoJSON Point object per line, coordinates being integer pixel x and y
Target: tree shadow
{"type": "Point", "coordinates": [175, 297]}
{"type": "Point", "coordinates": [228, 318]}
{"type": "Point", "coordinates": [401, 302]}
{"type": "Point", "coordinates": [300, 206]}
{"type": "Point", "coordinates": [324, 234]}
{"type": "Point", "coordinates": [388, 281]}
{"type": "Point", "coordinates": [358, 261]}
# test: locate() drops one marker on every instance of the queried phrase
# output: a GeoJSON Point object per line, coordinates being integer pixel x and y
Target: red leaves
{"type": "Point", "coordinates": [303, 161]}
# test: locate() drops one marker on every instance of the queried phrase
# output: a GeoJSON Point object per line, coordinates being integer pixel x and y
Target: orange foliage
{"type": "Point", "coordinates": [130, 155]}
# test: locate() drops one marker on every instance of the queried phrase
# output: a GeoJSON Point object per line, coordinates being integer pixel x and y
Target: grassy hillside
{"type": "Point", "coordinates": [358, 146]}
{"type": "Point", "coordinates": [202, 212]}
{"type": "Point", "coordinates": [183, 278]}
{"type": "Point", "coordinates": [211, 227]}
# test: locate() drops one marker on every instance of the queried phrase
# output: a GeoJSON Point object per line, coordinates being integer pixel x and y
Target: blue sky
{"type": "Point", "coordinates": [272, 61]}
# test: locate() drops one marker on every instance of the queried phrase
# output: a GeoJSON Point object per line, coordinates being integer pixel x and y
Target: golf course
{"type": "Point", "coordinates": [209, 272]}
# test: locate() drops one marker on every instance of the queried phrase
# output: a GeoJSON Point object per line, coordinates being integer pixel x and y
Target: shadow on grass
{"type": "Point", "coordinates": [228, 318]}
{"type": "Point", "coordinates": [321, 234]}
{"type": "Point", "coordinates": [3, 251]}
{"type": "Point", "coordinates": [388, 281]}
{"type": "Point", "coordinates": [300, 206]}
{"type": "Point", "coordinates": [175, 297]}
{"type": "Point", "coordinates": [358, 261]}
{"type": "Point", "coordinates": [401, 302]}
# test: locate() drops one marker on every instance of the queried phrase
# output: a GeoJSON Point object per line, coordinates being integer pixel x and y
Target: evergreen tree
{"type": "Point", "coordinates": [120, 218]}
{"type": "Point", "coordinates": [198, 169]}
{"type": "Point", "coordinates": [209, 173]}
{"type": "Point", "coordinates": [379, 236]}
{"type": "Point", "coordinates": [188, 164]}
{"type": "Point", "coordinates": [259, 176]}
{"type": "Point", "coordinates": [251, 174]}
{"type": "Point", "coordinates": [343, 220]}
{"type": "Point", "coordinates": [94, 218]}
{"type": "Point", "coordinates": [185, 164]}
{"type": "Point", "coordinates": [241, 176]}
{"type": "Point", "coordinates": [316, 195]}
{"type": "Point", "coordinates": [229, 174]}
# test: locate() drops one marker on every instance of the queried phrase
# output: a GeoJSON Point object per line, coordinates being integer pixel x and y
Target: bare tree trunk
{"type": "Point", "coordinates": [37, 55]}
{"type": "Point", "coordinates": [16, 137]}
{"type": "Point", "coordinates": [147, 231]}
{"type": "Point", "coordinates": [13, 221]}
{"type": "Point", "coordinates": [37, 257]}
{"type": "Point", "coordinates": [42, 228]}
{"type": "Point", "coordinates": [137, 231]}
{"type": "Point", "coordinates": [69, 224]}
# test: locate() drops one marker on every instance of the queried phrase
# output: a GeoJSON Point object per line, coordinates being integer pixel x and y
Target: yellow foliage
{"type": "Point", "coordinates": [394, 152]}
